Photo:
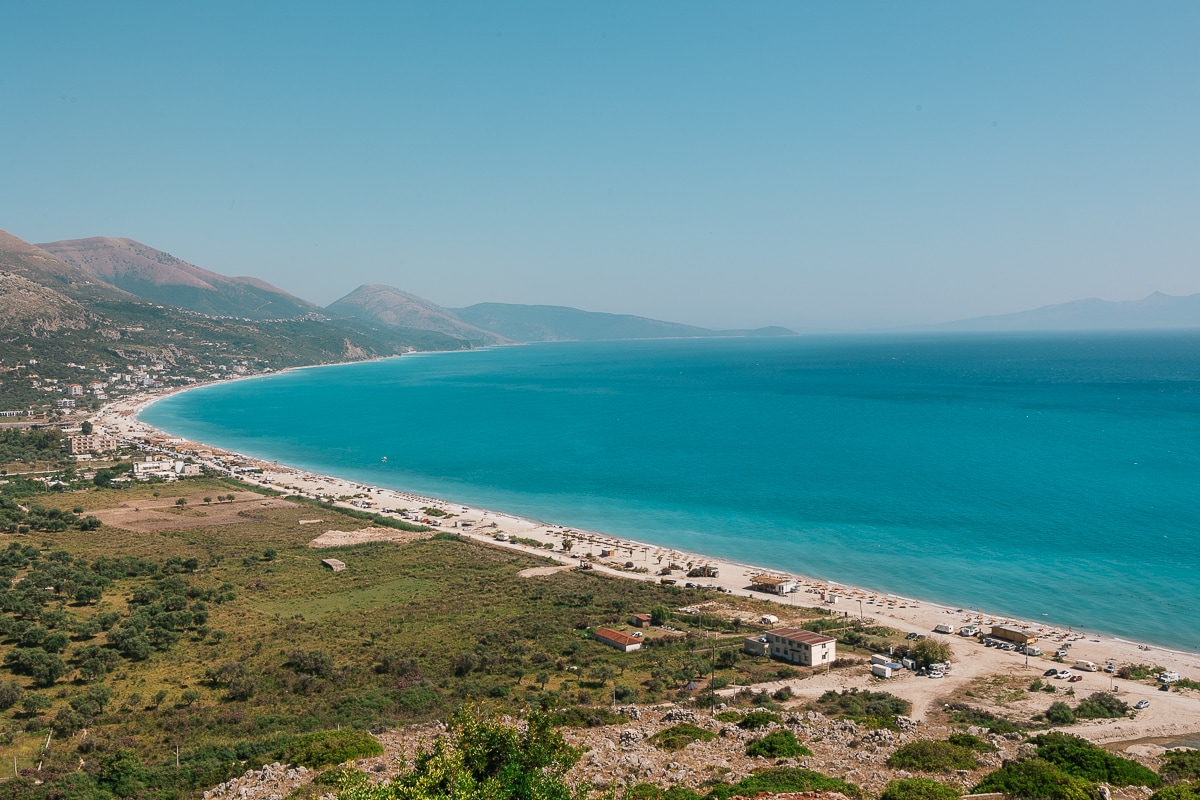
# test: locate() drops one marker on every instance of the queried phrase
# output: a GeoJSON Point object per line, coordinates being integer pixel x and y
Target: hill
{"type": "Point", "coordinates": [525, 323]}
{"type": "Point", "coordinates": [62, 325]}
{"type": "Point", "coordinates": [1156, 311]}
{"type": "Point", "coordinates": [160, 277]}
{"type": "Point", "coordinates": [388, 306]}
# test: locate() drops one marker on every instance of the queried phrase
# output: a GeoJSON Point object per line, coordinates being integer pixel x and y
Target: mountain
{"type": "Point", "coordinates": [1155, 311]}
{"type": "Point", "coordinates": [522, 323]}
{"type": "Point", "coordinates": [389, 307]}
{"type": "Point", "coordinates": [19, 257]}
{"type": "Point", "coordinates": [160, 277]}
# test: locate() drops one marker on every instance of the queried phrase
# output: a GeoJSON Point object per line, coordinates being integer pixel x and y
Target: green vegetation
{"type": "Point", "coordinates": [929, 651]}
{"type": "Point", "coordinates": [330, 747]}
{"type": "Point", "coordinates": [1060, 714]}
{"type": "Point", "coordinates": [962, 714]}
{"type": "Point", "coordinates": [1082, 759]}
{"type": "Point", "coordinates": [484, 759]}
{"type": "Point", "coordinates": [1138, 672]}
{"type": "Point", "coordinates": [972, 743]}
{"type": "Point", "coordinates": [1101, 705]}
{"type": "Point", "coordinates": [1036, 779]}
{"type": "Point", "coordinates": [785, 779]}
{"type": "Point", "coordinates": [677, 737]}
{"type": "Point", "coordinates": [1180, 766]}
{"type": "Point", "coordinates": [777, 744]}
{"type": "Point", "coordinates": [928, 755]}
{"type": "Point", "coordinates": [753, 720]}
{"type": "Point", "coordinates": [1179, 791]}
{"type": "Point", "coordinates": [32, 448]}
{"type": "Point", "coordinates": [919, 789]}
{"type": "Point", "coordinates": [874, 709]}
{"type": "Point", "coordinates": [365, 516]}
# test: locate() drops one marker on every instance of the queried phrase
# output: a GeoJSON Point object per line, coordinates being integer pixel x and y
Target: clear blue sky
{"type": "Point", "coordinates": [817, 165]}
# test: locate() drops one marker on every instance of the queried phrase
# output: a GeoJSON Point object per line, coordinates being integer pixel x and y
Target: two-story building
{"type": "Point", "coordinates": [798, 646]}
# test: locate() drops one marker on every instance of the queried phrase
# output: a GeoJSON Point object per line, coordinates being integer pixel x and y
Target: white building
{"type": "Point", "coordinates": [798, 646]}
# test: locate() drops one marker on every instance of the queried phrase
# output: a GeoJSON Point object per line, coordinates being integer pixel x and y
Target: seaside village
{"type": "Point", "coordinates": [797, 641]}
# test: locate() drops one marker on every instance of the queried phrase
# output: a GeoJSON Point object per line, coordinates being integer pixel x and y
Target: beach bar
{"type": "Point", "coordinates": [773, 583]}
{"type": "Point", "coordinates": [1008, 633]}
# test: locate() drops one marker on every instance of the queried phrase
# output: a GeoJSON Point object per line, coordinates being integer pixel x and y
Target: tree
{"type": "Point", "coordinates": [208, 501]}
{"type": "Point", "coordinates": [86, 428]}
{"type": "Point", "coordinates": [660, 614]}
{"type": "Point", "coordinates": [928, 651]}
{"type": "Point", "coordinates": [1035, 777]}
{"type": "Point", "coordinates": [10, 693]}
{"type": "Point", "coordinates": [182, 501]}
{"type": "Point", "coordinates": [567, 544]}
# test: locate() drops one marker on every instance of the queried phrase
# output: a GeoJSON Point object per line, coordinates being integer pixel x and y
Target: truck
{"type": "Point", "coordinates": [943, 628]}
{"type": "Point", "coordinates": [1087, 666]}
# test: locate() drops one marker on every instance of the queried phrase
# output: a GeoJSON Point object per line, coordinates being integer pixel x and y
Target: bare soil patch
{"type": "Point", "coordinates": [161, 514]}
{"type": "Point", "coordinates": [364, 535]}
{"type": "Point", "coordinates": [537, 572]}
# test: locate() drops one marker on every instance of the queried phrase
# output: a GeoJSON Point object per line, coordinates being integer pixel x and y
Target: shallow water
{"type": "Point", "coordinates": [1053, 478]}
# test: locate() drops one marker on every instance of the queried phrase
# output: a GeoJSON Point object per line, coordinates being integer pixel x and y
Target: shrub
{"type": "Point", "coordinates": [1180, 766]}
{"type": "Point", "coordinates": [929, 651]}
{"type": "Point", "coordinates": [680, 736]}
{"type": "Point", "coordinates": [1082, 759]}
{"type": "Point", "coordinates": [972, 743]}
{"type": "Point", "coordinates": [875, 709]}
{"type": "Point", "coordinates": [777, 744]}
{"type": "Point", "coordinates": [1060, 714]}
{"type": "Point", "coordinates": [1101, 705]}
{"type": "Point", "coordinates": [754, 720]}
{"type": "Point", "coordinates": [929, 755]}
{"type": "Point", "coordinates": [1180, 791]}
{"type": "Point", "coordinates": [330, 747]}
{"type": "Point", "coordinates": [785, 779]}
{"type": "Point", "coordinates": [1036, 778]}
{"type": "Point", "coordinates": [729, 716]}
{"type": "Point", "coordinates": [962, 714]}
{"type": "Point", "coordinates": [919, 789]}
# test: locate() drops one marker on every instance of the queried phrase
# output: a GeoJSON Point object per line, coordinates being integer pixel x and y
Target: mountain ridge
{"type": "Point", "coordinates": [1155, 311]}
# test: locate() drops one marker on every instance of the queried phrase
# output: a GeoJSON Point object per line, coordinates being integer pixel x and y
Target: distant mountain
{"type": "Point", "coordinates": [160, 277]}
{"type": "Point", "coordinates": [522, 323]}
{"type": "Point", "coordinates": [388, 306]}
{"type": "Point", "coordinates": [1156, 311]}
{"type": "Point", "coordinates": [19, 257]}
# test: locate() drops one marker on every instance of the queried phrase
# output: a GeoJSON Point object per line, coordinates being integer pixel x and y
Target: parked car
{"type": "Point", "coordinates": [1164, 687]}
{"type": "Point", "coordinates": [1050, 673]}
{"type": "Point", "coordinates": [911, 636]}
{"type": "Point", "coordinates": [1074, 678]}
{"type": "Point", "coordinates": [1063, 674]}
{"type": "Point", "coordinates": [936, 674]}
{"type": "Point", "coordinates": [1140, 704]}
{"type": "Point", "coordinates": [1060, 653]}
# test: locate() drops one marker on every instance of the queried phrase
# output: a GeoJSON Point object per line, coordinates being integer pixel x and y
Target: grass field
{"type": "Point", "coordinates": [406, 633]}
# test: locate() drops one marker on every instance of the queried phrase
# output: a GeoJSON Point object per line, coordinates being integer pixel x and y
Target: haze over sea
{"type": "Point", "coordinates": [1046, 477]}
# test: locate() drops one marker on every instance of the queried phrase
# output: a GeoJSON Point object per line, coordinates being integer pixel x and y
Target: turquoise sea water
{"type": "Point", "coordinates": [1048, 478]}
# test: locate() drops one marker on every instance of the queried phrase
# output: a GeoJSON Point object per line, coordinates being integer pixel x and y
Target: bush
{"type": "Point", "coordinates": [929, 755]}
{"type": "Point", "coordinates": [323, 748]}
{"type": "Point", "coordinates": [919, 789]}
{"type": "Point", "coordinates": [1036, 778]}
{"type": "Point", "coordinates": [785, 779]}
{"type": "Point", "coordinates": [1082, 759]}
{"type": "Point", "coordinates": [754, 720]}
{"type": "Point", "coordinates": [777, 744]}
{"type": "Point", "coordinates": [729, 716]}
{"type": "Point", "coordinates": [1101, 705]}
{"type": "Point", "coordinates": [875, 709]}
{"type": "Point", "coordinates": [1181, 766]}
{"type": "Point", "coordinates": [929, 651]}
{"type": "Point", "coordinates": [680, 736]}
{"type": "Point", "coordinates": [972, 743]}
{"type": "Point", "coordinates": [1060, 714]}
{"type": "Point", "coordinates": [1180, 791]}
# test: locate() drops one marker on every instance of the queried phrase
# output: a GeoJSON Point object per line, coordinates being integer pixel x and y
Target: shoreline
{"type": "Point", "coordinates": [901, 612]}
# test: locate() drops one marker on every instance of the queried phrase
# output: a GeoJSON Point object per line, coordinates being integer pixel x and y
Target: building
{"type": "Point", "coordinates": [755, 646]}
{"type": "Point", "coordinates": [1015, 635]}
{"type": "Point", "coordinates": [165, 468]}
{"type": "Point", "coordinates": [622, 641]}
{"type": "Point", "coordinates": [640, 620]}
{"type": "Point", "coordinates": [774, 584]}
{"type": "Point", "coordinates": [333, 564]}
{"type": "Point", "coordinates": [66, 402]}
{"type": "Point", "coordinates": [95, 443]}
{"type": "Point", "coordinates": [74, 390]}
{"type": "Point", "coordinates": [798, 646]}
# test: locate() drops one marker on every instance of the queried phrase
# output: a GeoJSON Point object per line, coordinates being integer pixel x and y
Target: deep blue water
{"type": "Point", "coordinates": [1025, 475]}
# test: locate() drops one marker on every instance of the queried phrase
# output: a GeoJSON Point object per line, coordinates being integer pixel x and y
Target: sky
{"type": "Point", "coordinates": [815, 165]}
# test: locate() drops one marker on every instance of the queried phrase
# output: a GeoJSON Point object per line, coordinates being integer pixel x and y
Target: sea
{"type": "Point", "coordinates": [1052, 478]}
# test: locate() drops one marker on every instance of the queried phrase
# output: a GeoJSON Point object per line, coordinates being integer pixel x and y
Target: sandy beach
{"type": "Point", "coordinates": [1170, 714]}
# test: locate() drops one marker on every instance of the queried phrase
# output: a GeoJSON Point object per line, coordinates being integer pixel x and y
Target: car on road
{"type": "Point", "coordinates": [1074, 679]}
{"type": "Point", "coordinates": [936, 674]}
{"type": "Point", "coordinates": [1063, 674]}
{"type": "Point", "coordinates": [1050, 673]}
{"type": "Point", "coordinates": [1140, 704]}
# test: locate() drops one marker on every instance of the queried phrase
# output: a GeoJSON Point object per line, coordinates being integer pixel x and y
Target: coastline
{"type": "Point", "coordinates": [1178, 717]}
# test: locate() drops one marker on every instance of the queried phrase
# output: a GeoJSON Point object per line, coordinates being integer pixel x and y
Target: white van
{"type": "Point", "coordinates": [943, 628]}
{"type": "Point", "coordinates": [1169, 677]}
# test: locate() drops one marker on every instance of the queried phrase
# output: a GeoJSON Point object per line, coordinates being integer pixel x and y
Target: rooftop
{"type": "Point", "coordinates": [801, 636]}
{"type": "Point", "coordinates": [616, 637]}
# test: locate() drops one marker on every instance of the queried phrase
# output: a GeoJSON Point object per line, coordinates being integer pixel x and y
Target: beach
{"type": "Point", "coordinates": [1169, 715]}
